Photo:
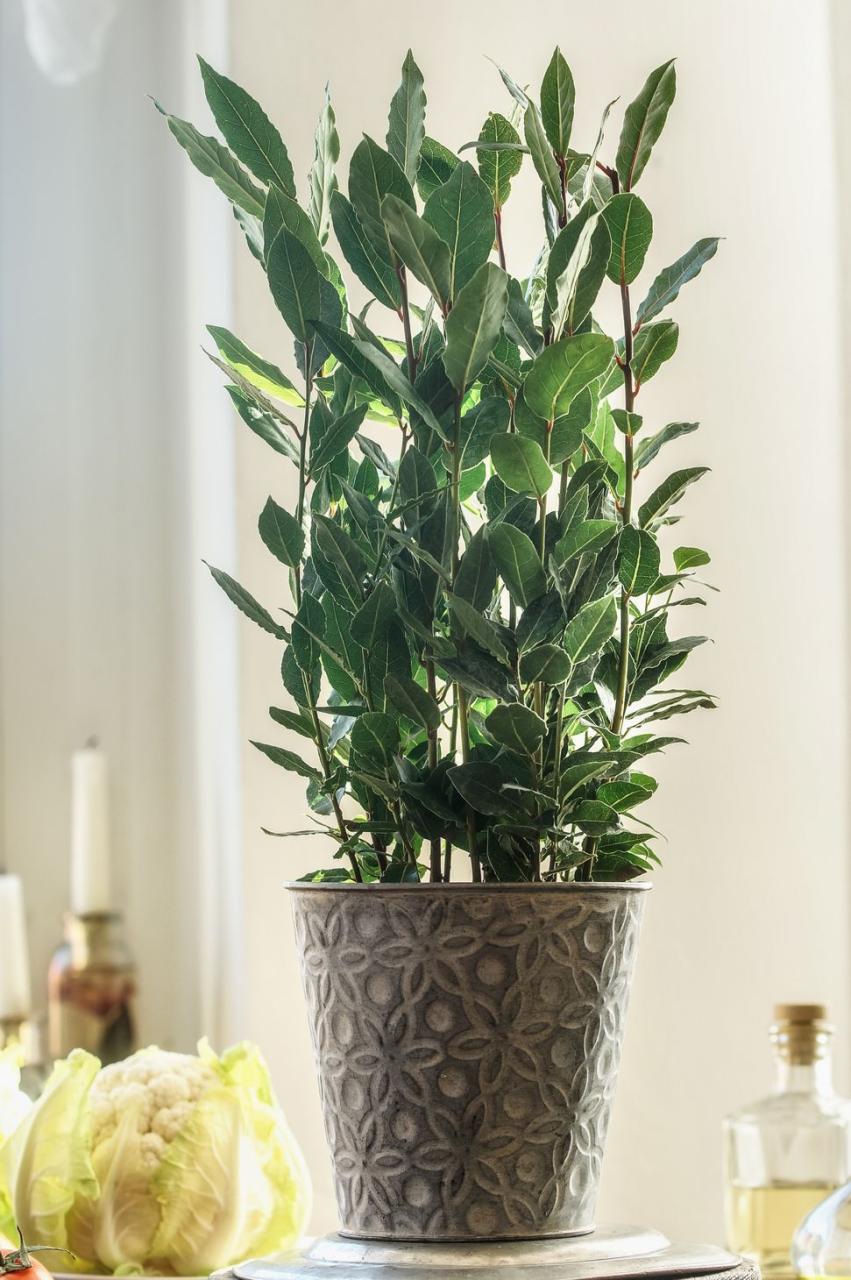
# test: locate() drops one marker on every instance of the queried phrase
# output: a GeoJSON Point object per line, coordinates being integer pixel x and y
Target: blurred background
{"type": "Point", "coordinates": [122, 465]}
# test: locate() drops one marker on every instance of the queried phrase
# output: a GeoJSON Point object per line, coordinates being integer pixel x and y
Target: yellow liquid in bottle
{"type": "Point", "coordinates": [761, 1221]}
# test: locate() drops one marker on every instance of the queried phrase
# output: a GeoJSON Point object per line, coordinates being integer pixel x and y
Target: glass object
{"type": "Point", "coordinates": [785, 1153]}
{"type": "Point", "coordinates": [822, 1244]}
{"type": "Point", "coordinates": [91, 990]}
{"type": "Point", "coordinates": [26, 1035]}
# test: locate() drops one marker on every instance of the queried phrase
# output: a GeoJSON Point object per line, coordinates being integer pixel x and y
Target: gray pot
{"type": "Point", "coordinates": [467, 1040]}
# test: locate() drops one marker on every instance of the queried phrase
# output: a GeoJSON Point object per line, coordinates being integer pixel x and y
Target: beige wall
{"type": "Point", "coordinates": [752, 903]}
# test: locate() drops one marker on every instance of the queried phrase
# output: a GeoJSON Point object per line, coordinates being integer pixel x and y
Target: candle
{"type": "Point", "coordinates": [14, 958]}
{"type": "Point", "coordinates": [91, 888]}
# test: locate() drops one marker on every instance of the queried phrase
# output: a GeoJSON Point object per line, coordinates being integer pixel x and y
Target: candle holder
{"type": "Point", "coordinates": [27, 1035]}
{"type": "Point", "coordinates": [91, 986]}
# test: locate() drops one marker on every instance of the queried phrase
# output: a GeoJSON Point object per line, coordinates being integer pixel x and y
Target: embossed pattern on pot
{"type": "Point", "coordinates": [467, 1041]}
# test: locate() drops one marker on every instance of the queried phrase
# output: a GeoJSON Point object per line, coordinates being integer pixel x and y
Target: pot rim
{"type": "Point", "coordinates": [467, 886]}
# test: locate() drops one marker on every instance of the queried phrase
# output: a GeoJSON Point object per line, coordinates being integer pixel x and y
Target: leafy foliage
{"type": "Point", "coordinates": [478, 645]}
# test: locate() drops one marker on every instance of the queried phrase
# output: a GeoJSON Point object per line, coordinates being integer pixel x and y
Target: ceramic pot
{"type": "Point", "coordinates": [467, 1042]}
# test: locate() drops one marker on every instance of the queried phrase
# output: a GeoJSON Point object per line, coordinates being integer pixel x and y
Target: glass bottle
{"type": "Point", "coordinates": [785, 1153]}
{"type": "Point", "coordinates": [91, 989]}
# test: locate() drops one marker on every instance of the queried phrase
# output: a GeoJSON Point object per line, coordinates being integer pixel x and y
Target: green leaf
{"type": "Point", "coordinates": [288, 760]}
{"type": "Point", "coordinates": [583, 538]}
{"type": "Point", "coordinates": [461, 212]}
{"type": "Point", "coordinates": [516, 727]}
{"type": "Point", "coordinates": [558, 96]}
{"type": "Point", "coordinates": [518, 562]}
{"type": "Point", "coordinates": [521, 465]}
{"type": "Point", "coordinates": [281, 533]}
{"type": "Point", "coordinates": [497, 168]}
{"type": "Point", "coordinates": [541, 153]}
{"type": "Point", "coordinates": [375, 740]}
{"type": "Point", "coordinates": [215, 161]}
{"type": "Point", "coordinates": [246, 603]}
{"type": "Point", "coordinates": [373, 618]}
{"type": "Point", "coordinates": [417, 484]}
{"type": "Point", "coordinates": [472, 622]}
{"type": "Point", "coordinates": [436, 166]}
{"type": "Point", "coordinates": [559, 441]}
{"type": "Point", "coordinates": [638, 560]}
{"type": "Point", "coordinates": [308, 624]}
{"type": "Point", "coordinates": [394, 378]}
{"type": "Point", "coordinates": [668, 492]}
{"type": "Point", "coordinates": [344, 347]}
{"type": "Point", "coordinates": [577, 773]}
{"type": "Point", "coordinates": [294, 282]}
{"type": "Point", "coordinates": [545, 665]}
{"type": "Point", "coordinates": [295, 721]}
{"type": "Point", "coordinates": [644, 120]}
{"type": "Point", "coordinates": [480, 786]}
{"type": "Point", "coordinates": [542, 621]}
{"type": "Point", "coordinates": [284, 211]}
{"type": "Point", "coordinates": [564, 369]}
{"type": "Point", "coordinates": [488, 418]}
{"type": "Point", "coordinates": [374, 174]}
{"type": "Point", "coordinates": [322, 179]}
{"type": "Point", "coordinates": [406, 126]}
{"type": "Point", "coordinates": [263, 424]}
{"type": "Point", "coordinates": [473, 325]}
{"type": "Point", "coordinates": [654, 344]}
{"type": "Point", "coordinates": [479, 673]}
{"type": "Point", "coordinates": [259, 372]}
{"type": "Point", "coordinates": [419, 246]}
{"type": "Point", "coordinates": [648, 449]}
{"type": "Point", "coordinates": [412, 701]}
{"type": "Point", "coordinates": [519, 324]}
{"type": "Point", "coordinates": [371, 267]}
{"type": "Point", "coordinates": [690, 558]}
{"type": "Point", "coordinates": [625, 793]}
{"type": "Point", "coordinates": [630, 225]}
{"type": "Point", "coordinates": [476, 577]}
{"type": "Point", "coordinates": [569, 256]}
{"type": "Point", "coordinates": [336, 439]}
{"type": "Point", "coordinates": [338, 562]}
{"type": "Point", "coordinates": [247, 130]}
{"type": "Point", "coordinates": [593, 817]}
{"type": "Point", "coordinates": [589, 630]}
{"type": "Point", "coordinates": [666, 287]}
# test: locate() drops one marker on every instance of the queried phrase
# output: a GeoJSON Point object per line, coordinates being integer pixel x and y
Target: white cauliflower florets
{"type": "Point", "coordinates": [160, 1087]}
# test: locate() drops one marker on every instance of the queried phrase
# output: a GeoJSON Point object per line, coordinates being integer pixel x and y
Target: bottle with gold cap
{"type": "Point", "coordinates": [786, 1153]}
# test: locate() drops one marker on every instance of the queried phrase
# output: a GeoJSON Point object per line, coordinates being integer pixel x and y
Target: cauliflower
{"type": "Point", "coordinates": [165, 1163]}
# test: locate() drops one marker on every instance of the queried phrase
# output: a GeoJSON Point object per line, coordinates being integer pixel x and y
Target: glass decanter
{"type": "Point", "coordinates": [784, 1154]}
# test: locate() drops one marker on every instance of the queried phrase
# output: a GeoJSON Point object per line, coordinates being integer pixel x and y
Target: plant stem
{"type": "Point", "coordinates": [626, 513]}
{"type": "Point", "coordinates": [464, 727]}
{"type": "Point", "coordinates": [447, 862]}
{"type": "Point", "coordinates": [460, 694]}
{"type": "Point", "coordinates": [434, 845]}
{"type": "Point", "coordinates": [500, 246]}
{"type": "Point", "coordinates": [308, 692]}
{"type": "Point", "coordinates": [406, 323]}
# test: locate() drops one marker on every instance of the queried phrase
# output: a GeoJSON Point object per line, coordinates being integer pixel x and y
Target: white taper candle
{"type": "Point", "coordinates": [91, 880]}
{"type": "Point", "coordinates": [15, 997]}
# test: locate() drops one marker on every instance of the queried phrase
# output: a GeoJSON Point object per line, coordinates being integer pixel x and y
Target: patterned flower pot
{"type": "Point", "coordinates": [467, 1040]}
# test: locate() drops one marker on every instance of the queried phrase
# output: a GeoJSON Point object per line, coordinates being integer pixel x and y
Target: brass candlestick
{"type": "Point", "coordinates": [25, 1034]}
{"type": "Point", "coordinates": [91, 985]}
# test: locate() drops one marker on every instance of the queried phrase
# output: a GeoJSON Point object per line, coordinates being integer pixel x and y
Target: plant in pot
{"type": "Point", "coordinates": [477, 652]}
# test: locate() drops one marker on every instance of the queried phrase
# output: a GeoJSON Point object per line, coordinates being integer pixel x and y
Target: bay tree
{"type": "Point", "coordinates": [480, 639]}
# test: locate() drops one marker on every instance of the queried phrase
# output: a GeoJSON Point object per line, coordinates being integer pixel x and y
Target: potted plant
{"type": "Point", "coordinates": [477, 650]}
